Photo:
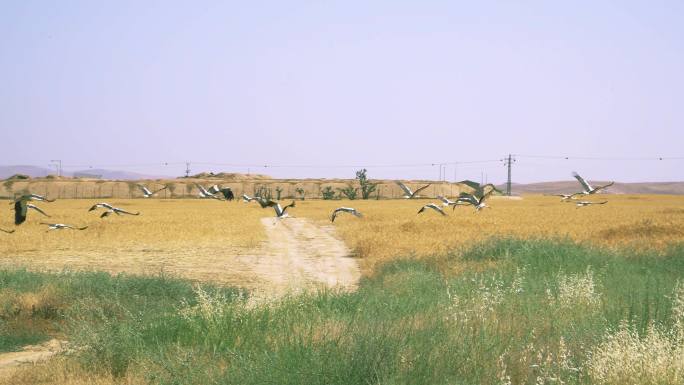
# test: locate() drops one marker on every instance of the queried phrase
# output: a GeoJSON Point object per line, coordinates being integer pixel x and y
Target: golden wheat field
{"type": "Point", "coordinates": [184, 237]}
{"type": "Point", "coordinates": [392, 228]}
{"type": "Point", "coordinates": [188, 237]}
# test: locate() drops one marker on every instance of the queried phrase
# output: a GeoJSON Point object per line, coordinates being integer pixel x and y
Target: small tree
{"type": "Point", "coordinates": [366, 186]}
{"type": "Point", "coordinates": [350, 192]}
{"type": "Point", "coordinates": [263, 192]}
{"type": "Point", "coordinates": [301, 192]}
{"type": "Point", "coordinates": [279, 190]}
{"type": "Point", "coordinates": [328, 193]}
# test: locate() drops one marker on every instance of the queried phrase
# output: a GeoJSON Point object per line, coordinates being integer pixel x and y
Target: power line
{"type": "Point", "coordinates": [254, 165]}
{"type": "Point", "coordinates": [601, 158]}
{"type": "Point", "coordinates": [371, 165]}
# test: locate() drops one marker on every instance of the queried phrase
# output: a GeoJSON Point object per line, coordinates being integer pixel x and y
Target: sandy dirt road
{"type": "Point", "coordinates": [31, 354]}
{"type": "Point", "coordinates": [300, 255]}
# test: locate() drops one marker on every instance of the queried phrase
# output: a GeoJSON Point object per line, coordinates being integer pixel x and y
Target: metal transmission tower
{"type": "Point", "coordinates": [187, 169]}
{"type": "Point", "coordinates": [58, 166]}
{"type": "Point", "coordinates": [508, 162]}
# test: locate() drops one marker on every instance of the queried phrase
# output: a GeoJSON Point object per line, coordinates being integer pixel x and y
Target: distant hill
{"type": "Point", "coordinates": [559, 187]}
{"type": "Point", "coordinates": [32, 171]}
{"type": "Point", "coordinates": [41, 172]}
{"type": "Point", "coordinates": [117, 175]}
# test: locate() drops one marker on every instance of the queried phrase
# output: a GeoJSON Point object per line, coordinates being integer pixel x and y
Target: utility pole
{"type": "Point", "coordinates": [442, 171]}
{"type": "Point", "coordinates": [59, 168]}
{"type": "Point", "coordinates": [508, 163]}
{"type": "Point", "coordinates": [187, 169]}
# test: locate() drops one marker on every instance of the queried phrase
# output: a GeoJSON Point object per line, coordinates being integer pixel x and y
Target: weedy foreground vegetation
{"type": "Point", "coordinates": [541, 312]}
{"type": "Point", "coordinates": [584, 297]}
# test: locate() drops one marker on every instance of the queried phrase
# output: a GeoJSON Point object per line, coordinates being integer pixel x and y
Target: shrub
{"type": "Point", "coordinates": [328, 193]}
{"type": "Point", "coordinates": [350, 191]}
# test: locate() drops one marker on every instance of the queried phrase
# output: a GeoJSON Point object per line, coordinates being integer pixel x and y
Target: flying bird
{"type": "Point", "coordinates": [433, 206]}
{"type": "Point", "coordinates": [204, 193]}
{"type": "Point", "coordinates": [345, 210]}
{"type": "Point", "coordinates": [263, 202]}
{"type": "Point", "coordinates": [33, 197]}
{"type": "Point", "coordinates": [34, 207]}
{"type": "Point", "coordinates": [480, 190]}
{"type": "Point", "coordinates": [478, 203]}
{"type": "Point", "coordinates": [227, 193]}
{"type": "Point", "coordinates": [565, 197]}
{"type": "Point", "coordinates": [61, 226]}
{"type": "Point", "coordinates": [147, 193]}
{"type": "Point", "coordinates": [21, 208]}
{"type": "Point", "coordinates": [588, 189]}
{"type": "Point", "coordinates": [110, 210]}
{"type": "Point", "coordinates": [279, 210]}
{"type": "Point", "coordinates": [408, 194]}
{"type": "Point", "coordinates": [446, 202]}
{"type": "Point", "coordinates": [7, 231]}
{"type": "Point", "coordinates": [588, 203]}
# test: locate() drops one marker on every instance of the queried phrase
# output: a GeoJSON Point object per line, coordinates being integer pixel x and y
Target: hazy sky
{"type": "Point", "coordinates": [134, 84]}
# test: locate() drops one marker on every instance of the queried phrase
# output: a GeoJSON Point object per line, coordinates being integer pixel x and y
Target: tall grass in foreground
{"type": "Point", "coordinates": [521, 312]}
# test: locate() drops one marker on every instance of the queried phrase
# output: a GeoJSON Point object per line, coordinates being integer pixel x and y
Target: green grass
{"type": "Point", "coordinates": [536, 312]}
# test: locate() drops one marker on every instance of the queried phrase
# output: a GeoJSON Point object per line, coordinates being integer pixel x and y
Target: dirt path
{"type": "Point", "coordinates": [31, 354]}
{"type": "Point", "coordinates": [301, 255]}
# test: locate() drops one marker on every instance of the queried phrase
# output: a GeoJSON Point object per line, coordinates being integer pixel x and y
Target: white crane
{"type": "Point", "coordinates": [62, 226]}
{"type": "Point", "coordinates": [32, 197]}
{"type": "Point", "coordinates": [147, 193]}
{"type": "Point", "coordinates": [478, 203]}
{"type": "Point", "coordinates": [446, 202]}
{"type": "Point", "coordinates": [227, 193]}
{"type": "Point", "coordinates": [565, 197]}
{"type": "Point", "coordinates": [408, 194]}
{"type": "Point", "coordinates": [204, 193]}
{"type": "Point", "coordinates": [433, 206]}
{"type": "Point", "coordinates": [110, 210]}
{"type": "Point", "coordinates": [588, 203]}
{"type": "Point", "coordinates": [263, 202]}
{"type": "Point", "coordinates": [588, 189]}
{"type": "Point", "coordinates": [349, 210]}
{"type": "Point", "coordinates": [21, 208]}
{"type": "Point", "coordinates": [279, 210]}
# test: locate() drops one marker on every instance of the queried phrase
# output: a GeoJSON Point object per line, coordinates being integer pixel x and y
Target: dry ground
{"type": "Point", "coordinates": [227, 242]}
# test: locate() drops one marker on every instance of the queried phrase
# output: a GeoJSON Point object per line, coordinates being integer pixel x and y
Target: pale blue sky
{"type": "Point", "coordinates": [346, 83]}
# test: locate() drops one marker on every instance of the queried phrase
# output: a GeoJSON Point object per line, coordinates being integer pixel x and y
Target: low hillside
{"type": "Point", "coordinates": [569, 186]}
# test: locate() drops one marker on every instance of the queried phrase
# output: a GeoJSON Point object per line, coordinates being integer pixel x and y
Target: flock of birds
{"type": "Point", "coordinates": [587, 189]}
{"type": "Point", "coordinates": [475, 199]}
